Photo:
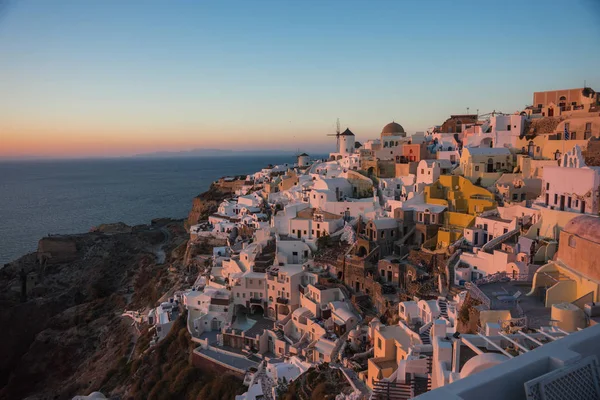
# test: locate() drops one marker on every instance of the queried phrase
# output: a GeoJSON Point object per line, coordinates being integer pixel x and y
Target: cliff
{"type": "Point", "coordinates": [206, 204]}
{"type": "Point", "coordinates": [61, 308]}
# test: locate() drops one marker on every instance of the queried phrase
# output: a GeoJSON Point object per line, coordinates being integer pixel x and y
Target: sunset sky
{"type": "Point", "coordinates": [113, 77]}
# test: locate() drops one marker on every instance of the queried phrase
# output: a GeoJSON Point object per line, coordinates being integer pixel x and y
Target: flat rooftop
{"type": "Point", "coordinates": [533, 307]}
{"type": "Point", "coordinates": [236, 362]}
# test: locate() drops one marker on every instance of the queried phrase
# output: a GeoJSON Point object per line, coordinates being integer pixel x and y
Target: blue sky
{"type": "Point", "coordinates": [119, 77]}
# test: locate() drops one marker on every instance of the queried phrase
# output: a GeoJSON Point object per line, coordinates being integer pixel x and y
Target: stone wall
{"type": "Point", "coordinates": [56, 250]}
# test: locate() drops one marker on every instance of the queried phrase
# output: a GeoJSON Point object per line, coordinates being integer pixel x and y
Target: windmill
{"type": "Point", "coordinates": [337, 135]}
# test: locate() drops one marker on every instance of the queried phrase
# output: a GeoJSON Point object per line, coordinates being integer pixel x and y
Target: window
{"type": "Point", "coordinates": [547, 186]}
{"type": "Point", "coordinates": [588, 127]}
{"type": "Point", "coordinates": [569, 202]}
{"type": "Point", "coordinates": [237, 295]}
{"type": "Point", "coordinates": [477, 168]}
{"type": "Point", "coordinates": [508, 127]}
{"type": "Point", "coordinates": [428, 172]}
{"type": "Point", "coordinates": [382, 234]}
{"type": "Point", "coordinates": [305, 232]}
{"type": "Point", "coordinates": [251, 281]}
{"type": "Point", "coordinates": [244, 295]}
{"type": "Point", "coordinates": [567, 127]}
{"type": "Point", "coordinates": [318, 226]}
{"type": "Point", "coordinates": [422, 171]}
{"type": "Point", "coordinates": [573, 135]}
{"type": "Point", "coordinates": [555, 198]}
{"type": "Point", "coordinates": [379, 343]}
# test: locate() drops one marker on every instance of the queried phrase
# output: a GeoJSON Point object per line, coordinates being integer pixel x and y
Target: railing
{"type": "Point", "coordinates": [502, 277]}
{"type": "Point", "coordinates": [500, 239]}
{"type": "Point", "coordinates": [281, 300]}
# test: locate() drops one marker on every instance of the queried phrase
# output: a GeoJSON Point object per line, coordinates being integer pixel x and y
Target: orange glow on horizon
{"type": "Point", "coordinates": [71, 143]}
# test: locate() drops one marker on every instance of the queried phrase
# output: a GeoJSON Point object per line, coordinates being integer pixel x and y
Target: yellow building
{"type": "Point", "coordinates": [464, 201]}
{"type": "Point", "coordinates": [289, 180]}
{"type": "Point", "coordinates": [362, 186]}
{"type": "Point", "coordinates": [486, 164]}
{"type": "Point", "coordinates": [391, 344]}
{"type": "Point", "coordinates": [574, 275]}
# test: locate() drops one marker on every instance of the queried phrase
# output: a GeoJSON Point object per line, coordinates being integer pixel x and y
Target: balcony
{"type": "Point", "coordinates": [255, 301]}
{"type": "Point", "coordinates": [281, 300]}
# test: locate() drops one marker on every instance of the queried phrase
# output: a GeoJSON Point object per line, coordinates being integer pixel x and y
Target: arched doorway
{"type": "Point", "coordinates": [531, 148]}
{"type": "Point", "coordinates": [257, 309]}
{"type": "Point", "coordinates": [362, 251]}
{"type": "Point", "coordinates": [370, 171]}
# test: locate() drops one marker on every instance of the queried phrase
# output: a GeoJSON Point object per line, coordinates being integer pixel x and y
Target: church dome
{"type": "Point", "coordinates": [586, 227]}
{"type": "Point", "coordinates": [393, 129]}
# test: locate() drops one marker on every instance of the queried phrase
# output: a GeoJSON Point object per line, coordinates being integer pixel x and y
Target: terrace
{"type": "Point", "coordinates": [530, 306]}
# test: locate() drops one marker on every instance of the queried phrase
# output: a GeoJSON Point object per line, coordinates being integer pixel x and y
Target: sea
{"type": "Point", "coordinates": [38, 198]}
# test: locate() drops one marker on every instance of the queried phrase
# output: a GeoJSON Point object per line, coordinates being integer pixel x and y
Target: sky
{"type": "Point", "coordinates": [113, 77]}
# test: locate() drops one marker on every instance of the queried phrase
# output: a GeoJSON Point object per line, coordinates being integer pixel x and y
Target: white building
{"type": "Point", "coordinates": [208, 310]}
{"type": "Point", "coordinates": [312, 223]}
{"type": "Point", "coordinates": [572, 186]}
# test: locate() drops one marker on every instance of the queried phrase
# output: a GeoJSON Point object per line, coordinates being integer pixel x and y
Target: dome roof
{"type": "Point", "coordinates": [392, 128]}
{"type": "Point", "coordinates": [481, 362]}
{"type": "Point", "coordinates": [585, 226]}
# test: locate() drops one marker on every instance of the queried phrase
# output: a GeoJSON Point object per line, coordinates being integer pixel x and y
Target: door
{"type": "Point", "coordinates": [299, 233]}
{"type": "Point", "coordinates": [547, 198]}
{"type": "Point", "coordinates": [562, 203]}
{"type": "Point", "coordinates": [389, 276]}
{"type": "Point", "coordinates": [582, 207]}
{"type": "Point", "coordinates": [551, 112]}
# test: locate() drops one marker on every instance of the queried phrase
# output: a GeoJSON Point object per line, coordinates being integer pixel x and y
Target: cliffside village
{"type": "Point", "coordinates": [411, 262]}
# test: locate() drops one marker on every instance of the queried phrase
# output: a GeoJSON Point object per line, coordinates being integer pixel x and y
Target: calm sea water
{"type": "Point", "coordinates": [72, 196]}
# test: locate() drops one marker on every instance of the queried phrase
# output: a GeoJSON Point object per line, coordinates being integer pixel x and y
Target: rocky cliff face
{"type": "Point", "coordinates": [63, 332]}
{"type": "Point", "coordinates": [206, 203]}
